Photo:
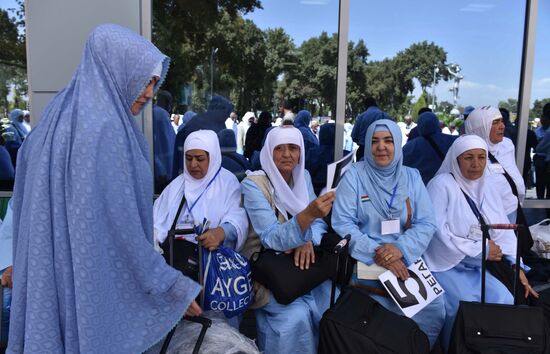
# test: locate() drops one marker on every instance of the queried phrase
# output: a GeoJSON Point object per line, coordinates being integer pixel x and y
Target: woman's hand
{"type": "Point", "coordinates": [399, 269]}
{"type": "Point", "coordinates": [212, 238]}
{"type": "Point", "coordinates": [193, 310]}
{"type": "Point", "coordinates": [304, 255]}
{"type": "Point", "coordinates": [6, 277]}
{"type": "Point", "coordinates": [495, 253]}
{"type": "Point", "coordinates": [528, 289]}
{"type": "Point", "coordinates": [318, 208]}
{"type": "Point", "coordinates": [387, 254]}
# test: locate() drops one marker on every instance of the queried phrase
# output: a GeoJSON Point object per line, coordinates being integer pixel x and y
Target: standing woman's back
{"type": "Point", "coordinates": [86, 276]}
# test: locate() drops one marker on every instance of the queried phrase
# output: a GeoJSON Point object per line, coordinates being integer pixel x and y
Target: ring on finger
{"type": "Point", "coordinates": [388, 257]}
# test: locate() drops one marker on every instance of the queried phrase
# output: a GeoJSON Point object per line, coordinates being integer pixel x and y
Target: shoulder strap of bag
{"type": "Point", "coordinates": [435, 147]}
{"type": "Point", "coordinates": [172, 232]}
{"type": "Point", "coordinates": [527, 238]}
{"type": "Point", "coordinates": [509, 178]}
{"type": "Point", "coordinates": [408, 224]}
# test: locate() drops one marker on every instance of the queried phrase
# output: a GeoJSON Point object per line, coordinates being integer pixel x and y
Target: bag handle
{"type": "Point", "coordinates": [172, 232]}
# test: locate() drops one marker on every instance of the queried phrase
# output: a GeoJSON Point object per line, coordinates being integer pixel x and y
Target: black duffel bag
{"type": "Point", "coordinates": [277, 272]}
{"type": "Point", "coordinates": [359, 324]}
{"type": "Point", "coordinates": [496, 328]}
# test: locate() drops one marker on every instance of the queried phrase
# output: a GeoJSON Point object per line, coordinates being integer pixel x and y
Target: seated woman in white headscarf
{"type": "Point", "coordinates": [285, 215]}
{"type": "Point", "coordinates": [486, 122]}
{"type": "Point", "coordinates": [454, 254]}
{"type": "Point", "coordinates": [371, 194]}
{"type": "Point", "coordinates": [210, 191]}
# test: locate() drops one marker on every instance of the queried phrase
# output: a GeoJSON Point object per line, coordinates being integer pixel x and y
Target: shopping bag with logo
{"type": "Point", "coordinates": [227, 282]}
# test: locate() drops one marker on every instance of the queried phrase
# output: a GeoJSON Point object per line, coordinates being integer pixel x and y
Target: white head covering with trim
{"type": "Point", "coordinates": [480, 121]}
{"type": "Point", "coordinates": [220, 201]}
{"type": "Point", "coordinates": [292, 200]}
{"type": "Point", "coordinates": [474, 188]}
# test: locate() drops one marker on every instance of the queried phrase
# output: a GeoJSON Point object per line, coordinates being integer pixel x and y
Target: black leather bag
{"type": "Point", "coordinates": [359, 324]}
{"type": "Point", "coordinates": [278, 273]}
{"type": "Point", "coordinates": [496, 328]}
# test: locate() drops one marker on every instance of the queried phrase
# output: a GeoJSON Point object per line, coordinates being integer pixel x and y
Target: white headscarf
{"type": "Point", "coordinates": [218, 193]}
{"type": "Point", "coordinates": [474, 188]}
{"type": "Point", "coordinates": [286, 199]}
{"type": "Point", "coordinates": [480, 121]}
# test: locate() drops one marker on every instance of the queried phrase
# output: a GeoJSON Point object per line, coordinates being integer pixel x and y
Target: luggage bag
{"type": "Point", "coordinates": [359, 324]}
{"type": "Point", "coordinates": [495, 328]}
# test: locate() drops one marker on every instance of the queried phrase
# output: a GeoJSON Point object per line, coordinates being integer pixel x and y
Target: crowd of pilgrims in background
{"type": "Point", "coordinates": [240, 150]}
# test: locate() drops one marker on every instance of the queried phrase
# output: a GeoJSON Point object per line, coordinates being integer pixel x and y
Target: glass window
{"type": "Point", "coordinates": [537, 154]}
{"type": "Point", "coordinates": [257, 57]}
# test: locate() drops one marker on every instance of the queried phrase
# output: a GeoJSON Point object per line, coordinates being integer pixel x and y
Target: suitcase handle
{"type": "Point", "coordinates": [485, 232]}
{"type": "Point", "coordinates": [203, 321]}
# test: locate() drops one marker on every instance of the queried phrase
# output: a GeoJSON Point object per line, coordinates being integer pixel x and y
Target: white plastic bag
{"type": "Point", "coordinates": [220, 338]}
{"type": "Point", "coordinates": [541, 238]}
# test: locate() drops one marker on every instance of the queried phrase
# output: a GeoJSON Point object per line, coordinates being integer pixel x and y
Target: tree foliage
{"type": "Point", "coordinates": [510, 104]}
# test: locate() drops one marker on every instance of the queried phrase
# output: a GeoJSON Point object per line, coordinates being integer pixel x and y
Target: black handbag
{"type": "Point", "coordinates": [278, 273]}
{"type": "Point", "coordinates": [496, 328]}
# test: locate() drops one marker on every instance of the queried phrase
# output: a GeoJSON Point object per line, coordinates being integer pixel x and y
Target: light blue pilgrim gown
{"type": "Point", "coordinates": [292, 328]}
{"type": "Point", "coordinates": [362, 219]}
{"type": "Point", "coordinates": [86, 276]}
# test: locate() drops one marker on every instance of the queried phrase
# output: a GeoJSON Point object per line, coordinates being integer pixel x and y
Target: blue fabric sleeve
{"type": "Point", "coordinates": [415, 240]}
{"type": "Point", "coordinates": [275, 235]}
{"type": "Point", "coordinates": [345, 219]}
{"type": "Point", "coordinates": [230, 233]}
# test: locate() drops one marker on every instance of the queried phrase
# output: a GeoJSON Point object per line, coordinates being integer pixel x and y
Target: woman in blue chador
{"type": "Point", "coordinates": [286, 216]}
{"type": "Point", "coordinates": [460, 192]}
{"type": "Point", "coordinates": [427, 151]}
{"type": "Point", "coordinates": [302, 121]}
{"type": "Point", "coordinates": [86, 278]}
{"type": "Point", "coordinates": [371, 194]}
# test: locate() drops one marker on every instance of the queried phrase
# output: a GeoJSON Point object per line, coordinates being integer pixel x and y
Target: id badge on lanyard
{"type": "Point", "coordinates": [186, 224]}
{"type": "Point", "coordinates": [496, 168]}
{"type": "Point", "coordinates": [391, 225]}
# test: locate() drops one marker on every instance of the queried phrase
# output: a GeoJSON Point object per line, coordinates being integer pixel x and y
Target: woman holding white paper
{"type": "Point", "coordinates": [386, 209]}
{"type": "Point", "coordinates": [459, 191]}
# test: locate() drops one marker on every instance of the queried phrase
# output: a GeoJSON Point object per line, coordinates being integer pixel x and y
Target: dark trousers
{"type": "Point", "coordinates": [542, 174]}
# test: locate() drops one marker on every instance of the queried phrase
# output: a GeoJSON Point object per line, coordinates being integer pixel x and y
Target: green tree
{"type": "Point", "coordinates": [420, 103]}
{"type": "Point", "coordinates": [389, 83]}
{"type": "Point", "coordinates": [445, 107]}
{"type": "Point", "coordinates": [182, 29]}
{"type": "Point", "coordinates": [510, 104]}
{"type": "Point", "coordinates": [13, 62]}
{"type": "Point", "coordinates": [420, 60]}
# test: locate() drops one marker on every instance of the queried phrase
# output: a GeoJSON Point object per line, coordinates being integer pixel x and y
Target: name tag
{"type": "Point", "coordinates": [496, 168]}
{"type": "Point", "coordinates": [475, 233]}
{"type": "Point", "coordinates": [391, 226]}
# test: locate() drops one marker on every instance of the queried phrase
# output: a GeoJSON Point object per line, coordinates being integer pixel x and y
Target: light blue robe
{"type": "Point", "coordinates": [292, 328]}
{"type": "Point", "coordinates": [360, 219]}
{"type": "Point", "coordinates": [86, 278]}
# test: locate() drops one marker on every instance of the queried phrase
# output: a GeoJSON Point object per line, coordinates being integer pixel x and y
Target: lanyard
{"type": "Point", "coordinates": [473, 206]}
{"type": "Point", "coordinates": [391, 200]}
{"type": "Point", "coordinates": [204, 190]}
